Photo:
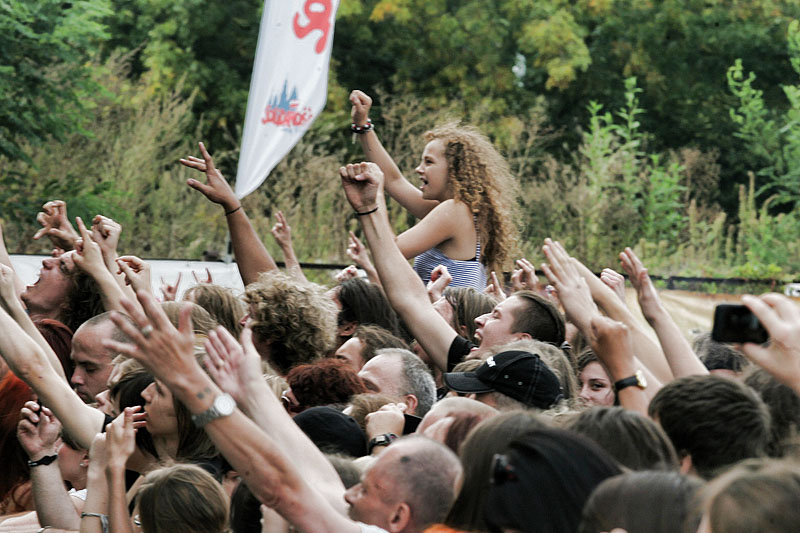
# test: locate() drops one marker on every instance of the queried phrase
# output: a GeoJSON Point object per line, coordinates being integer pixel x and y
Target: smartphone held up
{"type": "Point", "coordinates": [736, 323]}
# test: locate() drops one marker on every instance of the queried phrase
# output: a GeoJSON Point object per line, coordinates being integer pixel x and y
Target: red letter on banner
{"type": "Point", "coordinates": [317, 20]}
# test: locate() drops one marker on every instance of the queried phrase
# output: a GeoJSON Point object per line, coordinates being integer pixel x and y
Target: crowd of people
{"type": "Point", "coordinates": [438, 397]}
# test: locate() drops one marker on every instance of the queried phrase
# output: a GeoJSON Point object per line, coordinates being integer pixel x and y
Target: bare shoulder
{"type": "Point", "coordinates": [453, 208]}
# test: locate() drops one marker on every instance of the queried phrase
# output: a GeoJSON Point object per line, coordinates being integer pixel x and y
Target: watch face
{"type": "Point", "coordinates": [225, 404]}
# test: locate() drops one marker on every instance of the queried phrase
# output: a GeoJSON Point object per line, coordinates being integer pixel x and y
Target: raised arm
{"type": "Point", "coordinates": [5, 259]}
{"type": "Point", "coordinates": [647, 351]}
{"type": "Point", "coordinates": [680, 356]}
{"type": "Point", "coordinates": [106, 232]}
{"type": "Point", "coordinates": [612, 344]}
{"type": "Point", "coordinates": [282, 232]}
{"type": "Point", "coordinates": [89, 258]}
{"type": "Point", "coordinates": [362, 184]}
{"type": "Point", "coordinates": [397, 186]}
{"type": "Point", "coordinates": [266, 469]}
{"type": "Point", "coordinates": [236, 368]}
{"type": "Point", "coordinates": [13, 306]}
{"type": "Point", "coordinates": [28, 361]}
{"type": "Point", "coordinates": [56, 225]}
{"type": "Point", "coordinates": [358, 254]}
{"type": "Point", "coordinates": [252, 257]}
{"type": "Point", "coordinates": [37, 432]}
{"type": "Point", "coordinates": [780, 316]}
{"type": "Point", "coordinates": [576, 297]}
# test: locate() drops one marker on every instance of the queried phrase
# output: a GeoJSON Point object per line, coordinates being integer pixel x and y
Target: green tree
{"type": "Point", "coordinates": [44, 77]}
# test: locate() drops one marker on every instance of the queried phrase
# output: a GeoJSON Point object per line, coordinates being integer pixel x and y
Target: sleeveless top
{"type": "Point", "coordinates": [469, 273]}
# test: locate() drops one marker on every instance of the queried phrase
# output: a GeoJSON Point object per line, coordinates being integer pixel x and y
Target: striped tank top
{"type": "Point", "coordinates": [470, 273]}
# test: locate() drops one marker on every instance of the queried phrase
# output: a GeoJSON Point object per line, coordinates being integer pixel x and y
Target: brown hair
{"type": "Point", "coordinates": [374, 338]}
{"type": "Point", "coordinates": [182, 499]}
{"type": "Point", "coordinates": [539, 318]}
{"type": "Point", "coordinates": [756, 495]}
{"type": "Point", "coordinates": [202, 321]}
{"type": "Point", "coordinates": [481, 178]}
{"type": "Point", "coordinates": [363, 404]}
{"type": "Point", "coordinates": [297, 319]}
{"type": "Point", "coordinates": [468, 304]}
{"type": "Point", "coordinates": [226, 308]}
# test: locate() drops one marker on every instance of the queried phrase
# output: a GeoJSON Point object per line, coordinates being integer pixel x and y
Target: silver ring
{"type": "Point", "coordinates": [147, 330]}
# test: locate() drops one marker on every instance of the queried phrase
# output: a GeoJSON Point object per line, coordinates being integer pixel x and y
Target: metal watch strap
{"type": "Point", "coordinates": [223, 405]}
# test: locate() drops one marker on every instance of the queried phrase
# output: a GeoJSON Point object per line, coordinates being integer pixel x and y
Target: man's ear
{"type": "Point", "coordinates": [84, 461]}
{"type": "Point", "coordinates": [523, 336]}
{"type": "Point", "coordinates": [411, 402]}
{"type": "Point", "coordinates": [687, 467]}
{"type": "Point", "coordinates": [401, 518]}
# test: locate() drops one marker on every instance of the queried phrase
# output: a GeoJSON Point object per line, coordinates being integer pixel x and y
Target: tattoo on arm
{"type": "Point", "coordinates": [202, 393]}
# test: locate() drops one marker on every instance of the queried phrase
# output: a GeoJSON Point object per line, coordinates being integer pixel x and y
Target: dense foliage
{"type": "Point", "coordinates": [671, 126]}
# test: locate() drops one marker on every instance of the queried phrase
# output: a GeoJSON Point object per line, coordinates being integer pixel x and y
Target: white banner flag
{"type": "Point", "coordinates": [289, 85]}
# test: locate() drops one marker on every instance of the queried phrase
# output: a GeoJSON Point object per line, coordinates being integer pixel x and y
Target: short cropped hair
{"type": "Point", "coordinates": [297, 319]}
{"type": "Point", "coordinates": [539, 318]}
{"type": "Point", "coordinates": [425, 479]}
{"type": "Point", "coordinates": [718, 421]}
{"type": "Point", "coordinates": [784, 407]}
{"type": "Point", "coordinates": [417, 379]}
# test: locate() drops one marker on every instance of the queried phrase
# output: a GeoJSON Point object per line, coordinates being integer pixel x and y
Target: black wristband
{"type": "Point", "coordinates": [380, 440]}
{"type": "Point", "coordinates": [232, 211]}
{"type": "Point", "coordinates": [355, 128]}
{"type": "Point", "coordinates": [46, 460]}
{"type": "Point", "coordinates": [365, 213]}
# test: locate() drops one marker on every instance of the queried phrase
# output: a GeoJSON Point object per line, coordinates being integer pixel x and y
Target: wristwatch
{"type": "Point", "coordinates": [637, 379]}
{"type": "Point", "coordinates": [223, 405]}
{"type": "Point", "coordinates": [380, 440]}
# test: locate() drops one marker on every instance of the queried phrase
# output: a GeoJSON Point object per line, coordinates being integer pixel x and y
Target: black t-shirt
{"type": "Point", "coordinates": [459, 348]}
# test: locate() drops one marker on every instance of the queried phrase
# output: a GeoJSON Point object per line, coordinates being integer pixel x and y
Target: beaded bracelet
{"type": "Point", "coordinates": [355, 128]}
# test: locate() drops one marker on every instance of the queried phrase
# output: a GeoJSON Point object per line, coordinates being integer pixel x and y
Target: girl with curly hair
{"type": "Point", "coordinates": [465, 200]}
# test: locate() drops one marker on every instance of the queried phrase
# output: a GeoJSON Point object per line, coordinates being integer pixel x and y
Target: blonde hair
{"type": "Point", "coordinates": [182, 498]}
{"type": "Point", "coordinates": [481, 178]}
{"type": "Point", "coordinates": [221, 303]}
{"type": "Point", "coordinates": [297, 319]}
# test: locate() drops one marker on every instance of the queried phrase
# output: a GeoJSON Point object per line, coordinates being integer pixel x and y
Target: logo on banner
{"type": "Point", "coordinates": [286, 111]}
{"type": "Point", "coordinates": [318, 13]}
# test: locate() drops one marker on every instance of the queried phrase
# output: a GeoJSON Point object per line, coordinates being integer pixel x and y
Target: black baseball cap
{"type": "Point", "coordinates": [518, 374]}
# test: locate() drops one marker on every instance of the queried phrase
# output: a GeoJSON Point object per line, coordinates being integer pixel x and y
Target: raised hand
{"type": "Point", "coordinates": [524, 277]}
{"type": "Point", "coordinates": [780, 316]}
{"type": "Point", "coordinates": [136, 271]}
{"type": "Point", "coordinates": [495, 288]}
{"type": "Point", "coordinates": [166, 352]}
{"type": "Point", "coordinates": [197, 279]}
{"type": "Point", "coordinates": [121, 438]}
{"type": "Point", "coordinates": [8, 293]}
{"type": "Point", "coordinates": [440, 279]}
{"type": "Point", "coordinates": [282, 231]}
{"type": "Point", "coordinates": [362, 183]}
{"type": "Point", "coordinates": [570, 287]}
{"type": "Point", "coordinates": [216, 189]}
{"type": "Point", "coordinates": [56, 225]}
{"type": "Point", "coordinates": [106, 232]}
{"type": "Point", "coordinates": [361, 106]}
{"type": "Point", "coordinates": [38, 431]}
{"type": "Point", "coordinates": [170, 292]}
{"type": "Point", "coordinates": [88, 255]}
{"type": "Point", "coordinates": [645, 290]}
{"type": "Point", "coordinates": [615, 281]}
{"type": "Point", "coordinates": [388, 419]}
{"type": "Point", "coordinates": [348, 272]}
{"type": "Point", "coordinates": [232, 366]}
{"type": "Point", "coordinates": [356, 251]}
